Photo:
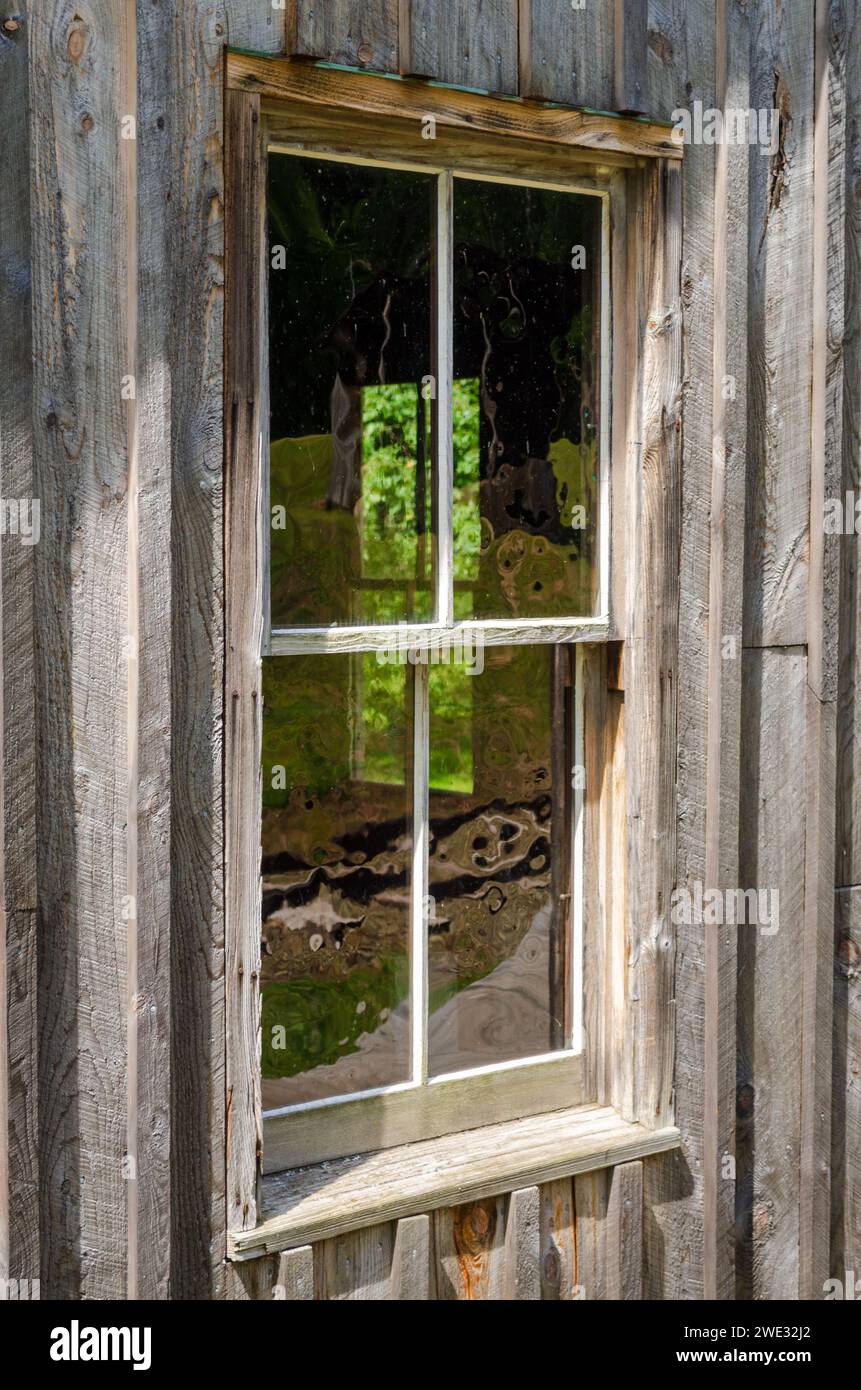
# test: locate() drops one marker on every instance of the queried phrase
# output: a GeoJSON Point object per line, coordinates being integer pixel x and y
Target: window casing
{"type": "Point", "coordinates": [582, 1070]}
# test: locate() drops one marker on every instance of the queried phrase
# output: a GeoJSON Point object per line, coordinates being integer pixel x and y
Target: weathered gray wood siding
{"type": "Point", "coordinates": [575, 1239]}
{"type": "Point", "coordinates": [113, 1050]}
{"type": "Point", "coordinates": [19, 1137]}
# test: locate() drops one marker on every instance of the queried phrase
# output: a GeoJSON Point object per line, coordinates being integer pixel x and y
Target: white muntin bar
{"type": "Point", "coordinates": [443, 371]}
{"type": "Point", "coordinates": [603, 546]}
{"type": "Point", "coordinates": [575, 981]}
{"type": "Point", "coordinates": [419, 904]}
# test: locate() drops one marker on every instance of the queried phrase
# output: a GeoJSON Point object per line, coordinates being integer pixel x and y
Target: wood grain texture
{"type": "Point", "coordinates": [78, 711]}
{"type": "Point", "coordinates": [817, 997]}
{"type": "Point", "coordinates": [834, 38]}
{"type": "Point", "coordinates": [568, 54]}
{"type": "Point", "coordinates": [356, 1266]}
{"type": "Point", "coordinates": [726, 602]}
{"type": "Point", "coordinates": [295, 1138]}
{"type": "Point", "coordinates": [195, 216]}
{"type": "Point", "coordinates": [605, 880]}
{"type": "Point", "coordinates": [558, 1242]}
{"type": "Point", "coordinates": [780, 331]}
{"type": "Point", "coordinates": [651, 662]}
{"type": "Point", "coordinates": [470, 1246]}
{"type": "Point", "coordinates": [357, 35]}
{"type": "Point", "coordinates": [772, 847]}
{"type": "Point", "coordinates": [469, 43]}
{"type": "Point", "coordinates": [846, 1116]}
{"type": "Point", "coordinates": [275, 80]}
{"type": "Point", "coordinates": [504, 633]}
{"type": "Point", "coordinates": [522, 1279]}
{"type": "Point", "coordinates": [257, 1282]}
{"type": "Point", "coordinates": [848, 235]}
{"type": "Point", "coordinates": [826, 469]}
{"type": "Point", "coordinates": [846, 1125]}
{"type": "Point", "coordinates": [150, 1255]}
{"type": "Point", "coordinates": [79, 86]}
{"type": "Point", "coordinates": [245, 221]}
{"type": "Point", "coordinates": [473, 1251]}
{"type": "Point", "coordinates": [411, 1260]}
{"type": "Point", "coordinates": [632, 82]}
{"type": "Point", "coordinates": [19, 1151]}
{"type": "Point", "coordinates": [346, 131]}
{"type": "Point", "coordinates": [625, 1233]}
{"type": "Point", "coordinates": [593, 56]}
{"type": "Point", "coordinates": [682, 70]}
{"type": "Point", "coordinates": [591, 1197]}
{"type": "Point", "coordinates": [257, 25]}
{"type": "Point", "coordinates": [319, 1202]}
{"type": "Point", "coordinates": [295, 1278]}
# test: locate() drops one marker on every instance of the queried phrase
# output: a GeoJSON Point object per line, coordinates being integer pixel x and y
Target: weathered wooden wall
{"type": "Point", "coordinates": [576, 1238]}
{"type": "Point", "coordinates": [112, 1174]}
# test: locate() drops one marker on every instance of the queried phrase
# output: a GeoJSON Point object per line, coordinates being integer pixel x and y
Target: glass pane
{"type": "Point", "coordinates": [527, 276]}
{"type": "Point", "coordinates": [349, 373]}
{"type": "Point", "coordinates": [499, 856]}
{"type": "Point", "coordinates": [337, 847]}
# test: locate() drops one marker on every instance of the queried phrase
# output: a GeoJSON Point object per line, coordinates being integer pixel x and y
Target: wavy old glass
{"type": "Point", "coordinates": [337, 847]}
{"type": "Point", "coordinates": [527, 277]}
{"type": "Point", "coordinates": [349, 372]}
{"type": "Point", "coordinates": [498, 948]}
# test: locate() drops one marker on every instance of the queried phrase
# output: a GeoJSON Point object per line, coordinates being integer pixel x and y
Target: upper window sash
{"type": "Point", "coordinates": [593, 627]}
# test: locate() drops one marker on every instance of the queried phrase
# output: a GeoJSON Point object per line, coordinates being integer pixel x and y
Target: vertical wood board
{"type": "Point", "coordinates": [357, 35]}
{"type": "Point", "coordinates": [469, 43]}
{"type": "Point", "coordinates": [196, 334]}
{"type": "Point", "coordinates": [79, 92]}
{"type": "Point", "coordinates": [19, 1155]}
{"type": "Point", "coordinates": [772, 848]}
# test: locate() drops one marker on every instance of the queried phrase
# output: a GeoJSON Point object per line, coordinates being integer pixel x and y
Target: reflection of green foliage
{"type": "Point", "coordinates": [332, 719]}
{"type": "Point", "coordinates": [451, 752]}
{"type": "Point", "coordinates": [394, 540]}
{"type": "Point", "coordinates": [383, 718]}
{"type": "Point", "coordinates": [305, 724]}
{"type": "Point", "coordinates": [389, 428]}
{"type": "Point", "coordinates": [574, 468]}
{"type": "Point", "coordinates": [512, 712]}
{"type": "Point", "coordinates": [313, 555]}
{"type": "Point", "coordinates": [466, 514]}
{"type": "Point", "coordinates": [388, 478]}
{"type": "Point", "coordinates": [319, 557]}
{"type": "Point", "coordinates": [320, 1016]}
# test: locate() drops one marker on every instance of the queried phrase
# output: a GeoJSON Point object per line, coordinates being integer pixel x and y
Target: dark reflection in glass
{"type": "Point", "coordinates": [337, 847]}
{"type": "Point", "coordinates": [527, 275]}
{"type": "Point", "coordinates": [499, 857]}
{"type": "Point", "coordinates": [350, 393]}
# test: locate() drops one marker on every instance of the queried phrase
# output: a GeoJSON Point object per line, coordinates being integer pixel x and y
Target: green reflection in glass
{"type": "Point", "coordinates": [396, 504]}
{"type": "Point", "coordinates": [349, 367]}
{"type": "Point", "coordinates": [337, 865]}
{"type": "Point", "coordinates": [451, 748]}
{"type": "Point", "coordinates": [465, 503]}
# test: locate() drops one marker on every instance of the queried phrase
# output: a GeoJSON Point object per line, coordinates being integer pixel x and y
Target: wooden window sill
{"type": "Point", "coordinates": [308, 1204]}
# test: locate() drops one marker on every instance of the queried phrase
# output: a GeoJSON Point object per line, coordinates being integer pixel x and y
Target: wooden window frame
{"type": "Point", "coordinates": [625, 818]}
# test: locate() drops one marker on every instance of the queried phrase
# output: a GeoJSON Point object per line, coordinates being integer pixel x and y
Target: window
{"type": "Point", "coordinates": [423, 502]}
{"type": "Point", "coordinates": [434, 473]}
